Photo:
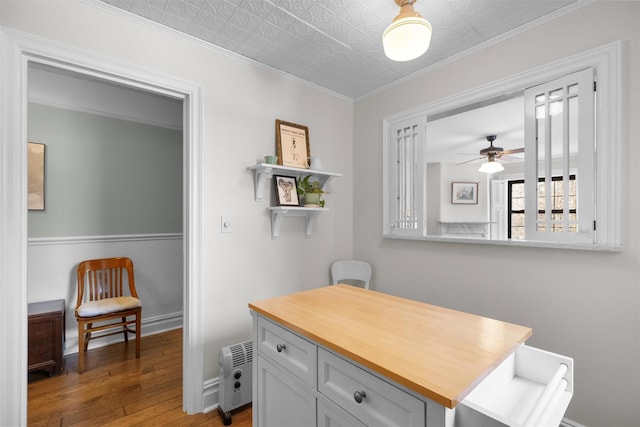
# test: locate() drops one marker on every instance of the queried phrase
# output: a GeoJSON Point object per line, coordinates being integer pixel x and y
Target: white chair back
{"type": "Point", "coordinates": [349, 271]}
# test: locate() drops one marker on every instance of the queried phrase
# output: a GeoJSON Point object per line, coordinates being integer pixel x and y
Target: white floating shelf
{"type": "Point", "coordinates": [279, 212]}
{"type": "Point", "coordinates": [263, 172]}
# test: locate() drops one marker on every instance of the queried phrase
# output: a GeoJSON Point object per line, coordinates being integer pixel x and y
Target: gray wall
{"type": "Point", "coordinates": [105, 176]}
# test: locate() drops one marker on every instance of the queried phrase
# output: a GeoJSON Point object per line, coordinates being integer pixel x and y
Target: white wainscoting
{"type": "Point", "coordinates": [158, 266]}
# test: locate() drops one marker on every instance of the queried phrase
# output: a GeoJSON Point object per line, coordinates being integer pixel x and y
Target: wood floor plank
{"type": "Point", "coordinates": [117, 389]}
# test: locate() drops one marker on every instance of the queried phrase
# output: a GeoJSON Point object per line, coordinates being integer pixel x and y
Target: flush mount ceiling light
{"type": "Point", "coordinates": [409, 34]}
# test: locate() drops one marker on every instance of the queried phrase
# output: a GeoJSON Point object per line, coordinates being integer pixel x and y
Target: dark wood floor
{"type": "Point", "coordinates": [117, 389]}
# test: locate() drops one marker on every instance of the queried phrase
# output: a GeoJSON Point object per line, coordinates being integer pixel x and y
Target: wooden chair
{"type": "Point", "coordinates": [103, 303]}
{"type": "Point", "coordinates": [350, 271]}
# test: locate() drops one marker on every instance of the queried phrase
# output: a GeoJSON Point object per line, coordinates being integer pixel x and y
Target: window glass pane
{"type": "Point", "coordinates": [540, 226]}
{"type": "Point", "coordinates": [541, 195]}
{"type": "Point", "coordinates": [557, 199]}
{"type": "Point", "coordinates": [555, 108]}
{"type": "Point", "coordinates": [557, 131]}
{"type": "Point", "coordinates": [573, 228]}
{"type": "Point", "coordinates": [517, 226]}
{"type": "Point", "coordinates": [555, 94]}
{"type": "Point", "coordinates": [517, 203]}
{"type": "Point", "coordinates": [540, 98]}
{"type": "Point", "coordinates": [573, 194]}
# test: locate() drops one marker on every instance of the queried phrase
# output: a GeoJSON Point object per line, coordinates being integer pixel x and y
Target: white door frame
{"type": "Point", "coordinates": [17, 50]}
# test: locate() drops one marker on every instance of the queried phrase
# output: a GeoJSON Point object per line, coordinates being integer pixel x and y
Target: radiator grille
{"type": "Point", "coordinates": [241, 353]}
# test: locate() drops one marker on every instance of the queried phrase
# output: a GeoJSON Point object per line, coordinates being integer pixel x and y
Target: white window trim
{"type": "Point", "coordinates": [606, 60]}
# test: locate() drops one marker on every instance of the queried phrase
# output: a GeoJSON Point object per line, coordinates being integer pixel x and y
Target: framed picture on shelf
{"type": "Point", "coordinates": [286, 190]}
{"type": "Point", "coordinates": [292, 144]}
{"type": "Point", "coordinates": [464, 193]}
{"type": "Point", "coordinates": [35, 172]}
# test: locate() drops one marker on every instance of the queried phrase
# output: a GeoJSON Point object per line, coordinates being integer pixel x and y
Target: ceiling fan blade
{"type": "Point", "coordinates": [514, 151]}
{"type": "Point", "coordinates": [469, 161]}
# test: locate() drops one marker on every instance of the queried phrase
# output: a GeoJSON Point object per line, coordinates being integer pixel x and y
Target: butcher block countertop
{"type": "Point", "coordinates": [437, 352]}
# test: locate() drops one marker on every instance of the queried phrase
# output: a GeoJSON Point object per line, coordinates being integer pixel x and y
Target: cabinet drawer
{"type": "Point", "coordinates": [532, 387]}
{"type": "Point", "coordinates": [381, 404]}
{"type": "Point", "coordinates": [295, 354]}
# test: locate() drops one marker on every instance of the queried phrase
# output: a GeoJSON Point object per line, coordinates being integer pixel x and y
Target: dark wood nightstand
{"type": "Point", "coordinates": [47, 336]}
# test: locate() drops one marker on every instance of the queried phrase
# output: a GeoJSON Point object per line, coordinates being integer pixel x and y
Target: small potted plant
{"type": "Point", "coordinates": [311, 191]}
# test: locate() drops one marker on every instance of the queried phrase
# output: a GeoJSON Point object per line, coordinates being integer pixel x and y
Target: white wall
{"type": "Point", "coordinates": [581, 304]}
{"type": "Point", "coordinates": [240, 105]}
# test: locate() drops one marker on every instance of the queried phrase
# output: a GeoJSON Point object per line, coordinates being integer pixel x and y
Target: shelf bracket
{"type": "Point", "coordinates": [324, 181]}
{"type": "Point", "coordinates": [276, 219]}
{"type": "Point", "coordinates": [311, 219]}
{"type": "Point", "coordinates": [259, 178]}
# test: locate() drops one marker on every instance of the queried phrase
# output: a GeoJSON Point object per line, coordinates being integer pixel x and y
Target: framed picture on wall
{"type": "Point", "coordinates": [35, 173]}
{"type": "Point", "coordinates": [286, 190]}
{"type": "Point", "coordinates": [464, 193]}
{"type": "Point", "coordinates": [292, 144]}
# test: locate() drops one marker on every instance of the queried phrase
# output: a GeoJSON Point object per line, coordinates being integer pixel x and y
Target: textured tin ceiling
{"type": "Point", "coordinates": [337, 44]}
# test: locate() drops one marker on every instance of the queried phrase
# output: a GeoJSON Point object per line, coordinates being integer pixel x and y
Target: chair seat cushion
{"type": "Point", "coordinates": [108, 305]}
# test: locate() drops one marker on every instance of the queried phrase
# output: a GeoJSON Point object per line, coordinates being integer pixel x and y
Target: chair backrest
{"type": "Point", "coordinates": [105, 278]}
{"type": "Point", "coordinates": [351, 270]}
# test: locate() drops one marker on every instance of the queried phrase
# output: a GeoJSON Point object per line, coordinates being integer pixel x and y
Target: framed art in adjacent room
{"type": "Point", "coordinates": [292, 144]}
{"type": "Point", "coordinates": [286, 190]}
{"type": "Point", "coordinates": [464, 193]}
{"type": "Point", "coordinates": [36, 177]}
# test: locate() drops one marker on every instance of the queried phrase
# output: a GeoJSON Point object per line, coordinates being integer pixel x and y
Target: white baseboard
{"type": "Point", "coordinates": [211, 395]}
{"type": "Point", "coordinates": [150, 326]}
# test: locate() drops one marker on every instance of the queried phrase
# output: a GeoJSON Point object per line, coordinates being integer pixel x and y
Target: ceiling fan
{"type": "Point", "coordinates": [491, 153]}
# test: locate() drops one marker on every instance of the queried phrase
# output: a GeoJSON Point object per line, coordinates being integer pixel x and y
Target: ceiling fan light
{"type": "Point", "coordinates": [408, 36]}
{"type": "Point", "coordinates": [491, 166]}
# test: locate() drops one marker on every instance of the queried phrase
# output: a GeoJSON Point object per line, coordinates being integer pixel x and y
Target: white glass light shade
{"type": "Point", "coordinates": [406, 38]}
{"type": "Point", "coordinates": [491, 167]}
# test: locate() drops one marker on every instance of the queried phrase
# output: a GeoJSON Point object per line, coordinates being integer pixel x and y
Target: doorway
{"type": "Point", "coordinates": [19, 54]}
{"type": "Point", "coordinates": [114, 179]}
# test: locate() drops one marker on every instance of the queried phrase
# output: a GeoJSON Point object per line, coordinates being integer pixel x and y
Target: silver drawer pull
{"type": "Point", "coordinates": [280, 347]}
{"type": "Point", "coordinates": [359, 396]}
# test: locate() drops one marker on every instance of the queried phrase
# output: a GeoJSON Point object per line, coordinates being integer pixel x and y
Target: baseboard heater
{"type": "Point", "coordinates": [236, 378]}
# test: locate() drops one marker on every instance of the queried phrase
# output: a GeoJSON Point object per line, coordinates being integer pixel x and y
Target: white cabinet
{"type": "Point", "coordinates": [299, 383]}
{"type": "Point", "coordinates": [284, 400]}
{"type": "Point", "coordinates": [358, 357]}
{"type": "Point", "coordinates": [262, 175]}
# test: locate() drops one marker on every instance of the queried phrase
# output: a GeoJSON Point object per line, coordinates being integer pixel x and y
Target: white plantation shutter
{"type": "Point", "coordinates": [559, 141]}
{"type": "Point", "coordinates": [404, 174]}
{"type": "Point", "coordinates": [498, 209]}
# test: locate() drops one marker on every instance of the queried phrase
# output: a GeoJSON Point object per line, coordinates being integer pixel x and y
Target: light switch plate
{"type": "Point", "coordinates": [225, 224]}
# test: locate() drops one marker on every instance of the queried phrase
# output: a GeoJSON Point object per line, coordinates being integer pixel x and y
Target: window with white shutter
{"type": "Point", "coordinates": [559, 196]}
